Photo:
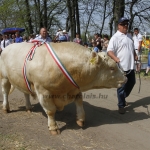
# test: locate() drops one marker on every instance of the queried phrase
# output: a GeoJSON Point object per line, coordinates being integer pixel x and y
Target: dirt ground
{"type": "Point", "coordinates": [104, 129]}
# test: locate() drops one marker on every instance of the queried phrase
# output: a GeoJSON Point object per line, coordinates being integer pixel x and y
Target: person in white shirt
{"type": "Point", "coordinates": [137, 39]}
{"type": "Point", "coordinates": [43, 36]}
{"type": "Point", "coordinates": [5, 42]}
{"type": "Point", "coordinates": [1, 38]}
{"type": "Point", "coordinates": [121, 50]}
{"type": "Point", "coordinates": [57, 35]}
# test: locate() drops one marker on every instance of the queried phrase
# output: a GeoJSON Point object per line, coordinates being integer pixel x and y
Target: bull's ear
{"type": "Point", "coordinates": [95, 58]}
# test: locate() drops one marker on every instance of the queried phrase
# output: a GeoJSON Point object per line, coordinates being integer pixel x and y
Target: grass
{"type": "Point", "coordinates": [145, 51]}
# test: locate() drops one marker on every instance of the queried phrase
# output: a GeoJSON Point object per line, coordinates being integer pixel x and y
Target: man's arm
{"type": "Point", "coordinates": [140, 45]}
{"type": "Point", "coordinates": [2, 45]}
{"type": "Point", "coordinates": [112, 55]}
{"type": "Point", "coordinates": [135, 56]}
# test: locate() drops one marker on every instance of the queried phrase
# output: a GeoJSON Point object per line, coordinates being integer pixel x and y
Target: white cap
{"type": "Point", "coordinates": [64, 31]}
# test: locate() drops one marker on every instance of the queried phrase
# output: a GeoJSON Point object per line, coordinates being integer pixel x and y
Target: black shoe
{"type": "Point", "coordinates": [145, 74]}
{"type": "Point", "coordinates": [121, 110]}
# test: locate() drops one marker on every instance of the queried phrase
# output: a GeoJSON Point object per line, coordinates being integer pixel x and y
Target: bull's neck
{"type": "Point", "coordinates": [86, 75]}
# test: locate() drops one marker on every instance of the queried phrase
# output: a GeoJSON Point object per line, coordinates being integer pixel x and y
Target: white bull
{"type": "Point", "coordinates": [88, 69]}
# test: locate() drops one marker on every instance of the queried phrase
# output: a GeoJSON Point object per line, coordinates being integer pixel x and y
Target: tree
{"type": "Point", "coordinates": [138, 12]}
{"type": "Point", "coordinates": [28, 15]}
{"type": "Point", "coordinates": [119, 8]}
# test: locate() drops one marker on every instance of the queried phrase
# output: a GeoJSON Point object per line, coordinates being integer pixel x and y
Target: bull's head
{"type": "Point", "coordinates": [109, 74]}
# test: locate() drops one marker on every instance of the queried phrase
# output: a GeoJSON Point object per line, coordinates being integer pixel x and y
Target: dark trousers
{"type": "Point", "coordinates": [125, 90]}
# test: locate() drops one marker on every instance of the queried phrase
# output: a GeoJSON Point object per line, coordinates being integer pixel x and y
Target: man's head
{"type": "Point", "coordinates": [123, 25]}
{"type": "Point", "coordinates": [17, 34]}
{"type": "Point", "coordinates": [13, 36]}
{"type": "Point", "coordinates": [5, 36]}
{"type": "Point", "coordinates": [43, 32]}
{"type": "Point", "coordinates": [85, 44]}
{"type": "Point", "coordinates": [77, 35]}
{"type": "Point", "coordinates": [1, 37]}
{"type": "Point", "coordinates": [96, 35]}
{"type": "Point", "coordinates": [105, 37]}
{"type": "Point", "coordinates": [136, 31]}
{"type": "Point", "coordinates": [64, 32]}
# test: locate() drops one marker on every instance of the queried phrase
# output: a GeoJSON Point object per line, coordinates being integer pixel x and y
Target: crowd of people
{"type": "Point", "coordinates": [97, 43]}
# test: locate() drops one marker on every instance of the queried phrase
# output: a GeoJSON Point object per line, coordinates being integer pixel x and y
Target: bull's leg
{"type": "Point", "coordinates": [28, 104]}
{"type": "Point", "coordinates": [50, 109]}
{"type": "Point", "coordinates": [5, 91]}
{"type": "Point", "coordinates": [80, 110]}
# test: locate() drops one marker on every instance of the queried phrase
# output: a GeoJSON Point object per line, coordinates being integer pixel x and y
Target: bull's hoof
{"type": "Point", "coordinates": [55, 132]}
{"type": "Point", "coordinates": [6, 111]}
{"type": "Point", "coordinates": [80, 123]}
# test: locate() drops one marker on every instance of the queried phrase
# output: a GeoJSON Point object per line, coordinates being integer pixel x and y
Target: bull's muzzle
{"type": "Point", "coordinates": [120, 83]}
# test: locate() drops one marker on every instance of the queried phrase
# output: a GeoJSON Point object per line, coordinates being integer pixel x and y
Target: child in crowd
{"type": "Point", "coordinates": [95, 48]}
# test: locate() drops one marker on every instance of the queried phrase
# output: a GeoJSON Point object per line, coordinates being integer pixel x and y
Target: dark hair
{"type": "Point", "coordinates": [106, 36]}
{"type": "Point", "coordinates": [85, 44]}
{"type": "Point", "coordinates": [96, 34]}
{"type": "Point", "coordinates": [17, 33]}
{"type": "Point", "coordinates": [136, 29]}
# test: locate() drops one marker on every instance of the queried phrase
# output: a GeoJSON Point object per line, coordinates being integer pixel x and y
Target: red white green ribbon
{"type": "Point", "coordinates": [60, 64]}
{"type": "Point", "coordinates": [30, 55]}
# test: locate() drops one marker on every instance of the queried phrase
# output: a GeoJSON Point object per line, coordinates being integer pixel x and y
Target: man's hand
{"type": "Point", "coordinates": [117, 60]}
{"type": "Point", "coordinates": [136, 57]}
{"type": "Point", "coordinates": [112, 55]}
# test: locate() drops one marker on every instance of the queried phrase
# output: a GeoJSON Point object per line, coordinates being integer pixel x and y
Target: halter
{"type": "Point", "coordinates": [121, 69]}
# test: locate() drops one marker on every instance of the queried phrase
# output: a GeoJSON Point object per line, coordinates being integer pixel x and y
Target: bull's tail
{"type": "Point", "coordinates": [11, 89]}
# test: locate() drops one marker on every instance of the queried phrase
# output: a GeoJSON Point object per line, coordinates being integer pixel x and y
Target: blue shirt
{"type": "Point", "coordinates": [96, 49]}
{"type": "Point", "coordinates": [48, 39]}
{"type": "Point", "coordinates": [62, 38]}
{"type": "Point", "coordinates": [18, 39]}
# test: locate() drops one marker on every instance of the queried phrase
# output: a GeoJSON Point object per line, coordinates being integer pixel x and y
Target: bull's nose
{"type": "Point", "coordinates": [126, 79]}
{"type": "Point", "coordinates": [120, 83]}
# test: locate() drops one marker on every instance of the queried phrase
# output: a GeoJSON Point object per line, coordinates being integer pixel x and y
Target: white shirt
{"type": "Point", "coordinates": [57, 35]}
{"type": "Point", "coordinates": [137, 39]}
{"type": "Point", "coordinates": [123, 48]}
{"type": "Point", "coordinates": [7, 42]}
{"type": "Point", "coordinates": [48, 39]}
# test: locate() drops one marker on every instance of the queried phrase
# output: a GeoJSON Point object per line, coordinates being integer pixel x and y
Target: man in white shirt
{"type": "Point", "coordinates": [57, 35]}
{"type": "Point", "coordinates": [0, 42]}
{"type": "Point", "coordinates": [121, 50]}
{"type": "Point", "coordinates": [5, 42]}
{"type": "Point", "coordinates": [137, 39]}
{"type": "Point", "coordinates": [43, 36]}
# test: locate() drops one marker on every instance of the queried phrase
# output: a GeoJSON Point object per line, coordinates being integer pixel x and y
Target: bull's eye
{"type": "Point", "coordinates": [112, 68]}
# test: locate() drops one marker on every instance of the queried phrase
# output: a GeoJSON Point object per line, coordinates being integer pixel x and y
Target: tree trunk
{"type": "Point", "coordinates": [70, 17]}
{"type": "Point", "coordinates": [77, 17]}
{"type": "Point", "coordinates": [119, 11]}
{"type": "Point", "coordinates": [74, 17]}
{"type": "Point", "coordinates": [112, 19]}
{"type": "Point", "coordinates": [39, 15]}
{"type": "Point", "coordinates": [104, 15]}
{"type": "Point", "coordinates": [89, 19]}
{"type": "Point", "coordinates": [45, 14]}
{"type": "Point", "coordinates": [29, 21]}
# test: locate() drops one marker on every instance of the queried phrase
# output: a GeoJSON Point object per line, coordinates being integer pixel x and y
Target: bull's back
{"type": "Point", "coordinates": [13, 58]}
{"type": "Point", "coordinates": [42, 68]}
